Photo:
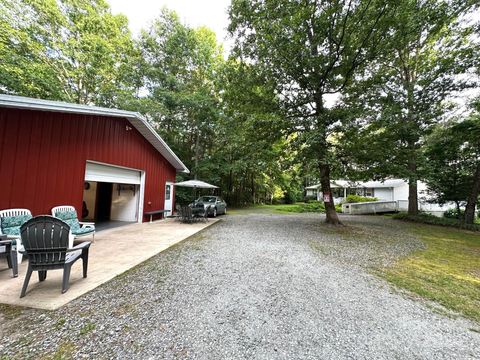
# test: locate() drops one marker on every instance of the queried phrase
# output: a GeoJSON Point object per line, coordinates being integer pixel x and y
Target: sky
{"type": "Point", "coordinates": [210, 13]}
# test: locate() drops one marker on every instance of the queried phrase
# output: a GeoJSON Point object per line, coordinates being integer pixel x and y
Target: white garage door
{"type": "Point", "coordinates": [111, 174]}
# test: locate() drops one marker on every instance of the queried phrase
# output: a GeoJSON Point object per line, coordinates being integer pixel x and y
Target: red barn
{"type": "Point", "coordinates": [110, 164]}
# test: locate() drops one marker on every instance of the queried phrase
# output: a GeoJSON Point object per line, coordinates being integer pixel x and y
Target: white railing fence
{"type": "Point", "coordinates": [374, 207]}
{"type": "Point", "coordinates": [371, 207]}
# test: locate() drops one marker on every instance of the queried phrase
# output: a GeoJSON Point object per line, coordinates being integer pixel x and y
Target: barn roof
{"type": "Point", "coordinates": [135, 118]}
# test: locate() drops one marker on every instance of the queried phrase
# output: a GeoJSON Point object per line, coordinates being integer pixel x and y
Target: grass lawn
{"type": "Point", "coordinates": [447, 272]}
{"type": "Point", "coordinates": [300, 207]}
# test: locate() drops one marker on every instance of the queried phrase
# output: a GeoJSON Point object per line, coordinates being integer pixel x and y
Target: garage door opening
{"type": "Point", "coordinates": [112, 196]}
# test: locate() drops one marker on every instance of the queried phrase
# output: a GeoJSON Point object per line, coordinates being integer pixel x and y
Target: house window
{"type": "Point", "coordinates": [337, 192]}
{"type": "Point", "coordinates": [354, 191]}
{"type": "Point", "coordinates": [369, 192]}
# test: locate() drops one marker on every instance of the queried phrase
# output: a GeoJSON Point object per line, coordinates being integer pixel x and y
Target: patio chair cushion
{"type": "Point", "coordinates": [82, 231]}
{"type": "Point", "coordinates": [70, 217]}
{"type": "Point", "coordinates": [11, 224]}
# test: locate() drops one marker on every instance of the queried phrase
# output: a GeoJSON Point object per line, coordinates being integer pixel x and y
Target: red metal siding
{"type": "Point", "coordinates": [43, 157]}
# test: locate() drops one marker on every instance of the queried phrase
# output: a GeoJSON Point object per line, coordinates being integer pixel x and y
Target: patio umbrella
{"type": "Point", "coordinates": [196, 184]}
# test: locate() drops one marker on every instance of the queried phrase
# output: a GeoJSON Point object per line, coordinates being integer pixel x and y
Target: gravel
{"type": "Point", "coordinates": [254, 286]}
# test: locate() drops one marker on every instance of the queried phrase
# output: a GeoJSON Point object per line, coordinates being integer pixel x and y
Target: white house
{"type": "Point", "coordinates": [387, 190]}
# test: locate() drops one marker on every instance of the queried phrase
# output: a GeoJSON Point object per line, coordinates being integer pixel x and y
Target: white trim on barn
{"type": "Point", "coordinates": [95, 171]}
{"type": "Point", "coordinates": [130, 210]}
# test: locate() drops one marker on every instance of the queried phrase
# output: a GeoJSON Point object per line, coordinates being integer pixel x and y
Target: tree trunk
{"type": "Point", "coordinates": [230, 186]}
{"type": "Point", "coordinates": [412, 197]}
{"type": "Point", "coordinates": [197, 153]}
{"type": "Point", "coordinates": [252, 183]}
{"type": "Point", "coordinates": [473, 198]}
{"type": "Point", "coordinates": [457, 206]}
{"type": "Point", "coordinates": [412, 187]}
{"type": "Point", "coordinates": [332, 217]}
{"type": "Point", "coordinates": [411, 126]}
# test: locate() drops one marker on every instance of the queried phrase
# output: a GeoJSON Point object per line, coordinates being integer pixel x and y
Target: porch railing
{"type": "Point", "coordinates": [370, 207]}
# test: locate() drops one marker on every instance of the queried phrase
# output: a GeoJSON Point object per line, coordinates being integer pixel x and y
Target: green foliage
{"type": "Point", "coordinates": [252, 158]}
{"type": "Point", "coordinates": [311, 207]}
{"type": "Point", "coordinates": [404, 91]}
{"type": "Point", "coordinates": [184, 196]}
{"type": "Point", "coordinates": [453, 150]}
{"type": "Point", "coordinates": [434, 220]}
{"type": "Point", "coordinates": [293, 195]}
{"type": "Point", "coordinates": [454, 214]}
{"type": "Point", "coordinates": [178, 67]}
{"type": "Point", "coordinates": [72, 50]}
{"type": "Point", "coordinates": [357, 199]}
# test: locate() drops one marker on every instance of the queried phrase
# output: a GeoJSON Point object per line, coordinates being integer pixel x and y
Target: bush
{"type": "Point", "coordinates": [313, 206]}
{"type": "Point", "coordinates": [183, 196]}
{"type": "Point", "coordinates": [434, 220]}
{"type": "Point", "coordinates": [309, 198]}
{"type": "Point", "coordinates": [454, 214]}
{"type": "Point", "coordinates": [338, 208]}
{"type": "Point", "coordinates": [357, 199]}
{"type": "Point", "coordinates": [292, 196]}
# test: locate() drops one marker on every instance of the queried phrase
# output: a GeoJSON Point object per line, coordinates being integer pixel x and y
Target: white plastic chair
{"type": "Point", "coordinates": [83, 225]}
{"type": "Point", "coordinates": [15, 212]}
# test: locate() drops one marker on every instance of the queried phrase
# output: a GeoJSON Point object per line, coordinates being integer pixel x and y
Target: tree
{"type": "Point", "coordinates": [179, 68]}
{"type": "Point", "coordinates": [72, 50]}
{"type": "Point", "coordinates": [249, 158]}
{"type": "Point", "coordinates": [310, 49]}
{"type": "Point", "coordinates": [453, 154]}
{"type": "Point", "coordinates": [405, 91]}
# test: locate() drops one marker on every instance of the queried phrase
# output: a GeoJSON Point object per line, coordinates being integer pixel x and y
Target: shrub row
{"type": "Point", "coordinates": [434, 220]}
{"type": "Point", "coordinates": [358, 199]}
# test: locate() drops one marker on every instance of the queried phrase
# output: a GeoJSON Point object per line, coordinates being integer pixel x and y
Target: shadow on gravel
{"type": "Point", "coordinates": [367, 241]}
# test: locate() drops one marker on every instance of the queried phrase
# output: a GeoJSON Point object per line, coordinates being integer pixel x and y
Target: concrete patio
{"type": "Point", "coordinates": [114, 252]}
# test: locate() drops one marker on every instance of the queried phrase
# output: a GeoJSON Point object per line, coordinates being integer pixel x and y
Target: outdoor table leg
{"type": "Point", "coordinates": [151, 218]}
{"type": "Point", "coordinates": [14, 261]}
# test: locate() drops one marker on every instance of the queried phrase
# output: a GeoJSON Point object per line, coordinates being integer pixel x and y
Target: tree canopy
{"type": "Point", "coordinates": [72, 50]}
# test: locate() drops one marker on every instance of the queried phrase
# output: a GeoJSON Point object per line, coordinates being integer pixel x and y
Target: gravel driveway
{"type": "Point", "coordinates": [258, 287]}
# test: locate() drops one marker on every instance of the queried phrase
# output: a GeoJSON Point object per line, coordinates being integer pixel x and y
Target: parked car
{"type": "Point", "coordinates": [216, 204]}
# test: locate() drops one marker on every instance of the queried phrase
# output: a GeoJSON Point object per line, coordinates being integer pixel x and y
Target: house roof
{"type": "Point", "coordinates": [384, 184]}
{"type": "Point", "coordinates": [336, 184]}
{"type": "Point", "coordinates": [389, 183]}
{"type": "Point", "coordinates": [135, 118]}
